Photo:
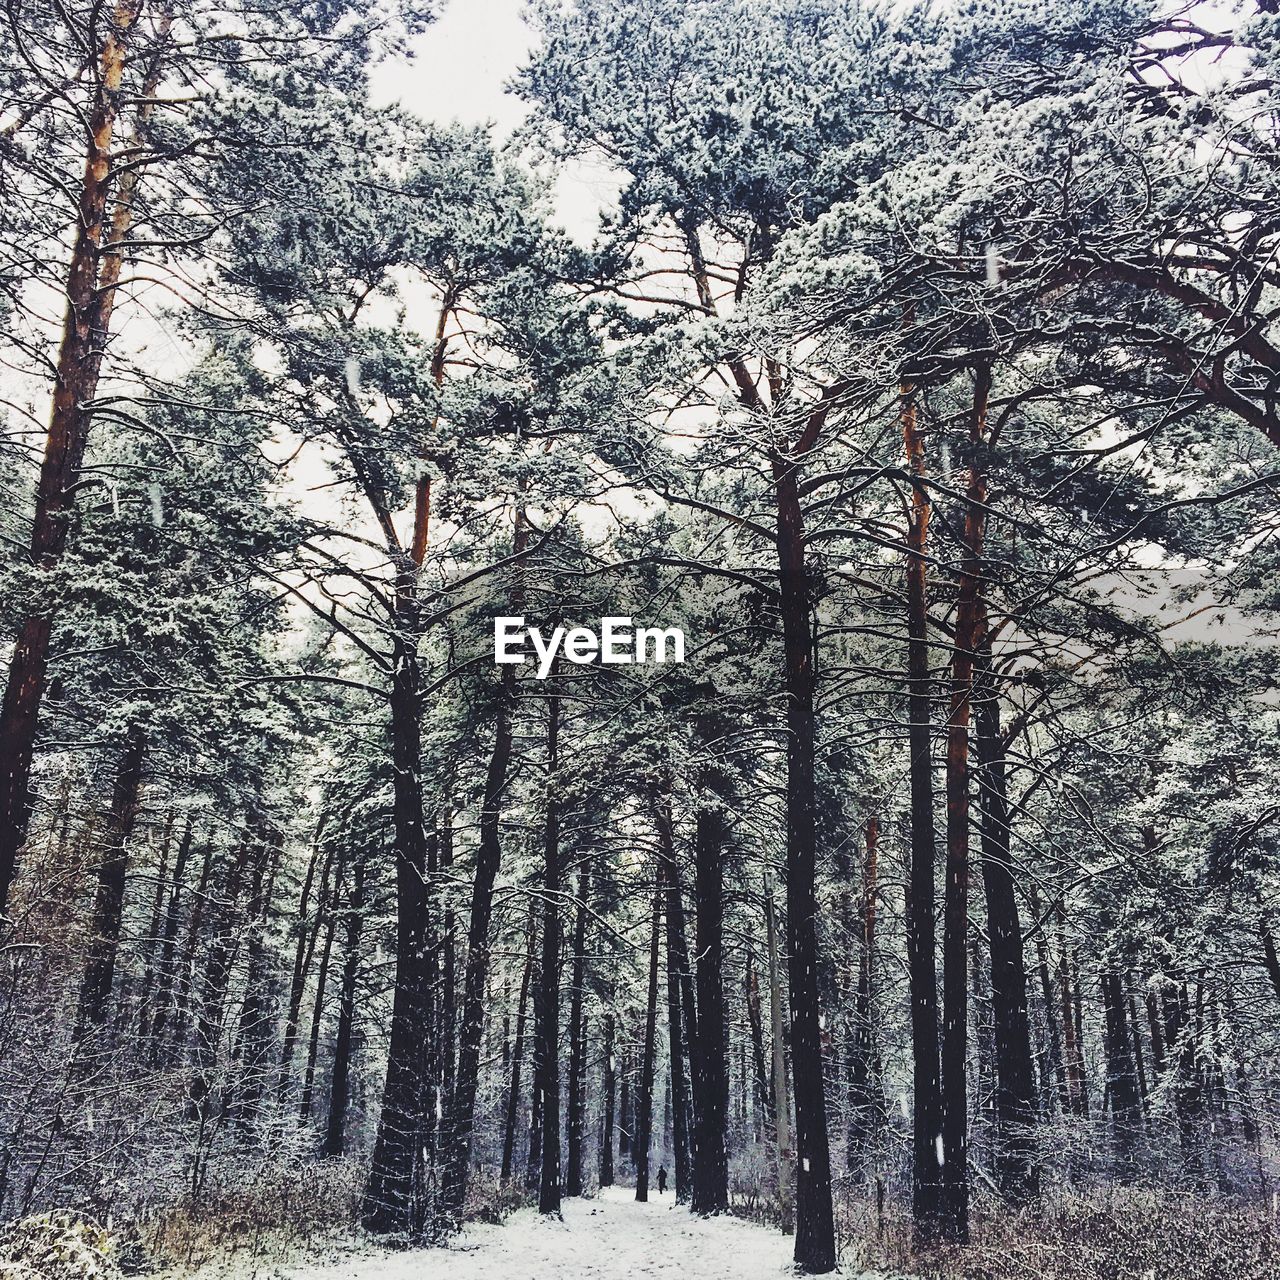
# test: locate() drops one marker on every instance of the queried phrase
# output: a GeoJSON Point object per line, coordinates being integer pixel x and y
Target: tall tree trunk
{"type": "Point", "coordinates": [184, 977]}
{"type": "Point", "coordinates": [681, 1014]}
{"type": "Point", "coordinates": [1016, 1172]}
{"type": "Point", "coordinates": [626, 1110]}
{"type": "Point", "coordinates": [1073, 1056]}
{"type": "Point", "coordinates": [864, 1111]}
{"type": "Point", "coordinates": [340, 1081]}
{"type": "Point", "coordinates": [211, 1009]}
{"type": "Point", "coordinates": [549, 996]}
{"type": "Point", "coordinates": [394, 1195]}
{"type": "Point", "coordinates": [165, 976]}
{"type": "Point", "coordinates": [90, 292]}
{"type": "Point", "coordinates": [955, 974]}
{"type": "Point", "coordinates": [151, 940]}
{"type": "Point", "coordinates": [328, 923]}
{"type": "Point", "coordinates": [644, 1090]}
{"type": "Point", "coordinates": [781, 1105]}
{"type": "Point", "coordinates": [533, 1166]}
{"type": "Point", "coordinates": [1269, 957]}
{"type": "Point", "coordinates": [578, 1044]}
{"type": "Point", "coordinates": [306, 929]}
{"type": "Point", "coordinates": [256, 1019]}
{"type": "Point", "coordinates": [711, 1050]}
{"type": "Point", "coordinates": [1057, 1061]}
{"type": "Point", "coordinates": [676, 1043]}
{"type": "Point", "coordinates": [108, 903]}
{"type": "Point", "coordinates": [471, 1034]}
{"type": "Point", "coordinates": [1122, 1078]}
{"type": "Point", "coordinates": [815, 1250]}
{"type": "Point", "coordinates": [926, 1156]}
{"type": "Point", "coordinates": [1139, 1057]}
{"type": "Point", "coordinates": [755, 1021]}
{"type": "Point", "coordinates": [517, 1056]}
{"type": "Point", "coordinates": [608, 1088]}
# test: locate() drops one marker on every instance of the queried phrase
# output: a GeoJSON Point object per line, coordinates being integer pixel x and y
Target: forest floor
{"type": "Point", "coordinates": [610, 1237]}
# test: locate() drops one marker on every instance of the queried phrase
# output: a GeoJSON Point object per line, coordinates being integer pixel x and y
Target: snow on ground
{"type": "Point", "coordinates": [607, 1238]}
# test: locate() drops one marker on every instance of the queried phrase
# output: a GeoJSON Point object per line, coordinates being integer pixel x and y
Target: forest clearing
{"type": "Point", "coordinates": [639, 638]}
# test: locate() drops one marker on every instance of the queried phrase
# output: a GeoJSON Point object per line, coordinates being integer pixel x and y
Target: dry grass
{"type": "Point", "coordinates": [279, 1210]}
{"type": "Point", "coordinates": [1117, 1234]}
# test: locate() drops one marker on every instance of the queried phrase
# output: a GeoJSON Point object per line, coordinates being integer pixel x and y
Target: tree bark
{"type": "Point", "coordinates": [644, 1091]}
{"type": "Point", "coordinates": [1122, 1077]}
{"type": "Point", "coordinates": [257, 1022]}
{"type": "Point", "coordinates": [926, 1152]}
{"type": "Point", "coordinates": [108, 904]}
{"type": "Point", "coordinates": [608, 1087]}
{"type": "Point", "coordinates": [394, 1197]}
{"type": "Point", "coordinates": [578, 1044]}
{"type": "Point", "coordinates": [517, 1056]}
{"type": "Point", "coordinates": [549, 993]}
{"type": "Point", "coordinates": [340, 1083]}
{"type": "Point", "coordinates": [328, 924]}
{"type": "Point", "coordinates": [471, 1032]}
{"type": "Point", "coordinates": [781, 1105]}
{"type": "Point", "coordinates": [955, 966]}
{"type": "Point", "coordinates": [864, 1116]}
{"type": "Point", "coordinates": [1016, 1172]}
{"type": "Point", "coordinates": [681, 1012]}
{"type": "Point", "coordinates": [711, 1049]}
{"type": "Point", "coordinates": [815, 1250]}
{"type": "Point", "coordinates": [84, 331]}
{"type": "Point", "coordinates": [306, 929]}
{"type": "Point", "coordinates": [755, 1021]}
{"type": "Point", "coordinates": [165, 975]}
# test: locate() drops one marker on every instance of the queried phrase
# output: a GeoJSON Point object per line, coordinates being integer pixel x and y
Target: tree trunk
{"type": "Point", "coordinates": [1139, 1057]}
{"type": "Point", "coordinates": [212, 1004]}
{"type": "Point", "coordinates": [681, 1015]}
{"type": "Point", "coordinates": [184, 977]}
{"type": "Point", "coordinates": [84, 331]}
{"type": "Point", "coordinates": [626, 1111]}
{"type": "Point", "coordinates": [257, 1022]}
{"type": "Point", "coordinates": [1270, 959]}
{"type": "Point", "coordinates": [328, 924]}
{"type": "Point", "coordinates": [815, 1250]}
{"type": "Point", "coordinates": [864, 1112]}
{"type": "Point", "coordinates": [955, 975]}
{"type": "Point", "coordinates": [549, 1001]}
{"type": "Point", "coordinates": [306, 930]}
{"type": "Point", "coordinates": [781, 1106]}
{"type": "Point", "coordinates": [340, 1084]}
{"type": "Point", "coordinates": [578, 1044]}
{"type": "Point", "coordinates": [711, 1049]}
{"type": "Point", "coordinates": [166, 978]}
{"type": "Point", "coordinates": [763, 1087]}
{"type": "Point", "coordinates": [926, 1154]}
{"type": "Point", "coordinates": [108, 904]}
{"type": "Point", "coordinates": [1016, 1172]}
{"type": "Point", "coordinates": [1073, 1058]}
{"type": "Point", "coordinates": [394, 1194]}
{"type": "Point", "coordinates": [517, 1056]}
{"type": "Point", "coordinates": [339, 1087]}
{"type": "Point", "coordinates": [644, 1091]}
{"type": "Point", "coordinates": [471, 1034]}
{"type": "Point", "coordinates": [1122, 1078]}
{"type": "Point", "coordinates": [608, 1086]}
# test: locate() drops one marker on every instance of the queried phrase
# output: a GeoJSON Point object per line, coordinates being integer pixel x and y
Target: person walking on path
{"type": "Point", "coordinates": [662, 1179]}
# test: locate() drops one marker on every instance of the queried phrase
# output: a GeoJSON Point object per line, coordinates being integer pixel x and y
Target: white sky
{"type": "Point", "coordinates": [459, 71]}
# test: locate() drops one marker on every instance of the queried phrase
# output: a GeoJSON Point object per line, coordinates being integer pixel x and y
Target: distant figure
{"type": "Point", "coordinates": [662, 1179]}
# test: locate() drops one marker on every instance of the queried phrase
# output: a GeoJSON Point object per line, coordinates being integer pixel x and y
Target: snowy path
{"type": "Point", "coordinates": [608, 1238]}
